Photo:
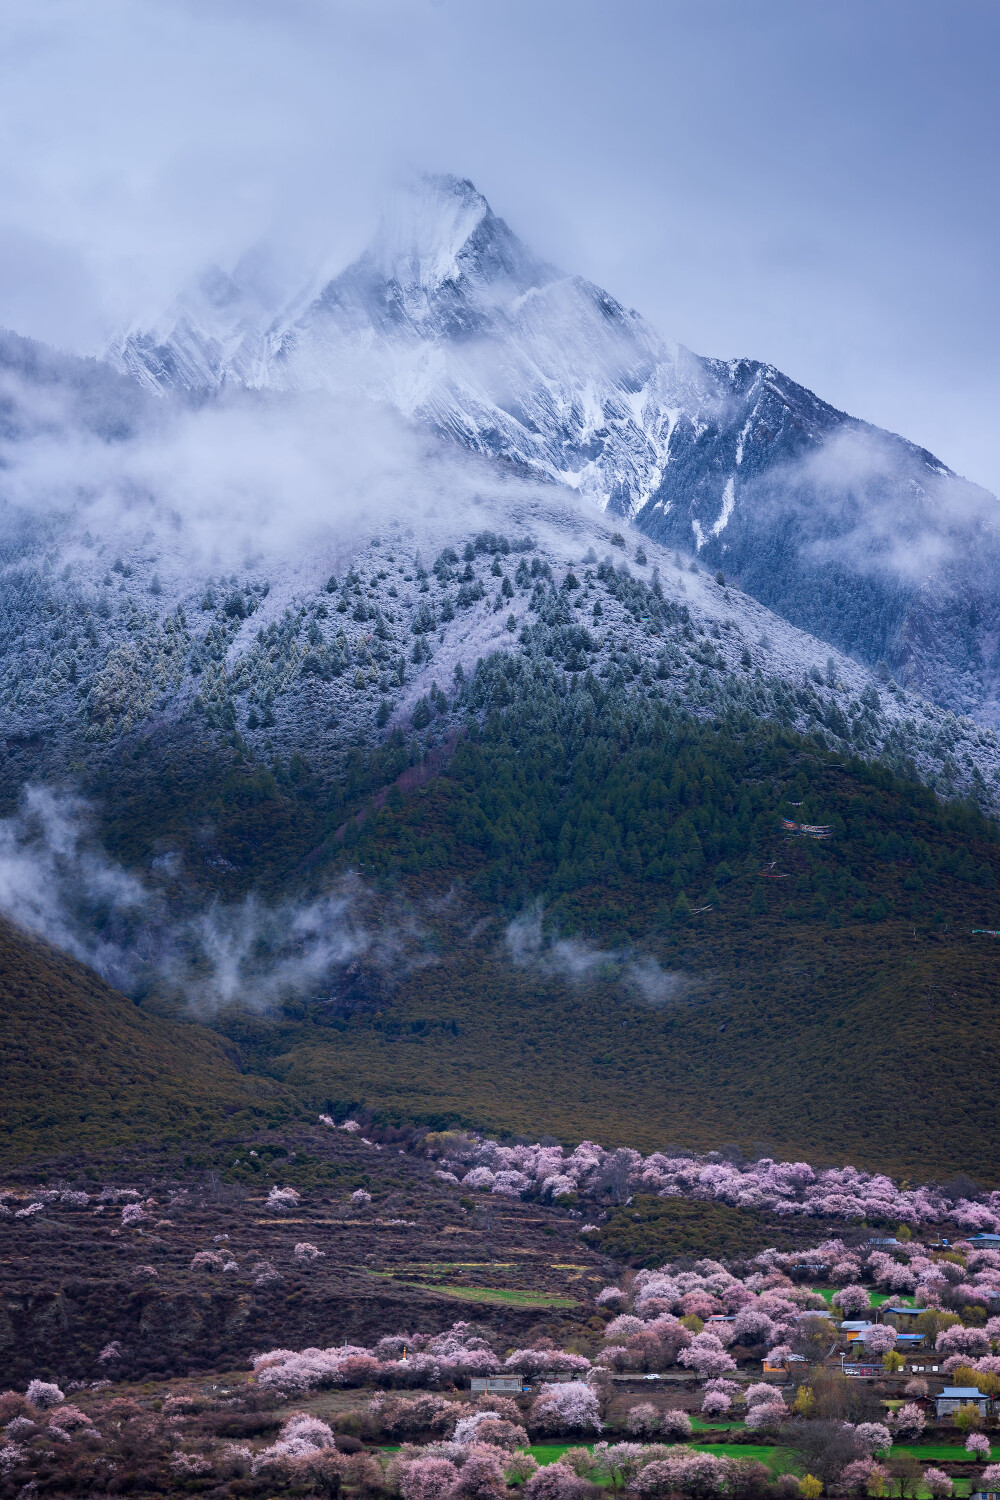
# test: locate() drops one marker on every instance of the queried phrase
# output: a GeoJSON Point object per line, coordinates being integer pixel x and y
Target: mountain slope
{"type": "Point", "coordinates": [81, 1066]}
{"type": "Point", "coordinates": [856, 535]}
{"type": "Point", "coordinates": [441, 787]}
{"type": "Point", "coordinates": [692, 973]}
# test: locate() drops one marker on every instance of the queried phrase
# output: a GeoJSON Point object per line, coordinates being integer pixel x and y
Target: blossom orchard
{"type": "Point", "coordinates": [785, 1188]}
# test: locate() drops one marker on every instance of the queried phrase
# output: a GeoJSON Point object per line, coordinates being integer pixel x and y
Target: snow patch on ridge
{"type": "Point", "coordinates": [728, 502]}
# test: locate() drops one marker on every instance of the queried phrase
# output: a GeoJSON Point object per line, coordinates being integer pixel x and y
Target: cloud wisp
{"type": "Point", "coordinates": [57, 883]}
{"type": "Point", "coordinates": [579, 962]}
{"type": "Point", "coordinates": [246, 480]}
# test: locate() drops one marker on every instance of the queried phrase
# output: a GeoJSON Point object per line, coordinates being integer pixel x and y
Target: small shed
{"type": "Point", "coordinates": [955, 1396]}
{"type": "Point", "coordinates": [510, 1383]}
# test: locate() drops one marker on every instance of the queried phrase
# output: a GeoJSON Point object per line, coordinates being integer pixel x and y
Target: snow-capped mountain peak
{"type": "Point", "coordinates": [441, 229]}
{"type": "Point", "coordinates": [449, 318]}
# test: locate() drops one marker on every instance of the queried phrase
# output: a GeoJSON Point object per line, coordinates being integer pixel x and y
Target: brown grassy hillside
{"type": "Point", "coordinates": [80, 1065]}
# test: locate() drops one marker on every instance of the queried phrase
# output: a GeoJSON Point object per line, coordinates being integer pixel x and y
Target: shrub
{"type": "Point", "coordinates": [572, 1407]}
{"type": "Point", "coordinates": [875, 1437]}
{"type": "Point", "coordinates": [909, 1421]}
{"type": "Point", "coordinates": [852, 1299]}
{"type": "Point", "coordinates": [642, 1420]}
{"type": "Point", "coordinates": [207, 1260]}
{"type": "Point", "coordinates": [520, 1467]}
{"type": "Point", "coordinates": [676, 1425]}
{"type": "Point", "coordinates": [854, 1478]}
{"type": "Point", "coordinates": [967, 1418]}
{"type": "Point", "coordinates": [282, 1200]}
{"type": "Point", "coordinates": [555, 1482]}
{"type": "Point", "coordinates": [43, 1394]}
{"type": "Point", "coordinates": [306, 1252]}
{"type": "Point", "coordinates": [264, 1274]}
{"type": "Point", "coordinates": [706, 1354]}
{"type": "Point", "coordinates": [580, 1460]}
{"type": "Point", "coordinates": [427, 1479]}
{"type": "Point", "coordinates": [12, 1404]}
{"type": "Point", "coordinates": [938, 1483]}
{"type": "Point", "coordinates": [480, 1477]}
{"type": "Point", "coordinates": [71, 1417]}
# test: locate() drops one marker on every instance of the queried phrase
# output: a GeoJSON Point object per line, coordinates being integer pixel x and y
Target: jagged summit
{"type": "Point", "coordinates": [441, 229]}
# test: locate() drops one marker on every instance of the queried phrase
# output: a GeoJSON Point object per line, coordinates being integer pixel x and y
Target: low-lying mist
{"type": "Point", "coordinates": [59, 884]}
{"type": "Point", "coordinates": [244, 479]}
{"type": "Point", "coordinates": [56, 882]}
{"type": "Point", "coordinates": [580, 962]}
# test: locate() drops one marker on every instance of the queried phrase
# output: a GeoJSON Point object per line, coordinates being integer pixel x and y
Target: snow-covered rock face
{"type": "Point", "coordinates": [452, 320]}
{"type": "Point", "coordinates": [853, 534]}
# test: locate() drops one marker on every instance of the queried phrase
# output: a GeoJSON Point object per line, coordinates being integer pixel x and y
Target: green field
{"type": "Point", "coordinates": [877, 1298]}
{"type": "Point", "coordinates": [549, 1453]}
{"type": "Point", "coordinates": [762, 1452]}
{"type": "Point", "coordinates": [495, 1294]}
{"type": "Point", "coordinates": [935, 1453]}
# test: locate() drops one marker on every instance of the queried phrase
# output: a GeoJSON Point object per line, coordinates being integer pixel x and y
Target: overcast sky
{"type": "Point", "coordinates": [811, 182]}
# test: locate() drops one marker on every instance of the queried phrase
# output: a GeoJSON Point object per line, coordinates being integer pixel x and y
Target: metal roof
{"type": "Point", "coordinates": [963, 1390]}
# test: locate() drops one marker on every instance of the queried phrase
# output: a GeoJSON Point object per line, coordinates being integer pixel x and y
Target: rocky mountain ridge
{"type": "Point", "coordinates": [854, 534]}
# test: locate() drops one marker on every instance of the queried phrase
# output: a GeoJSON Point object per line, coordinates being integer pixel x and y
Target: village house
{"type": "Point", "coordinates": [955, 1396]}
